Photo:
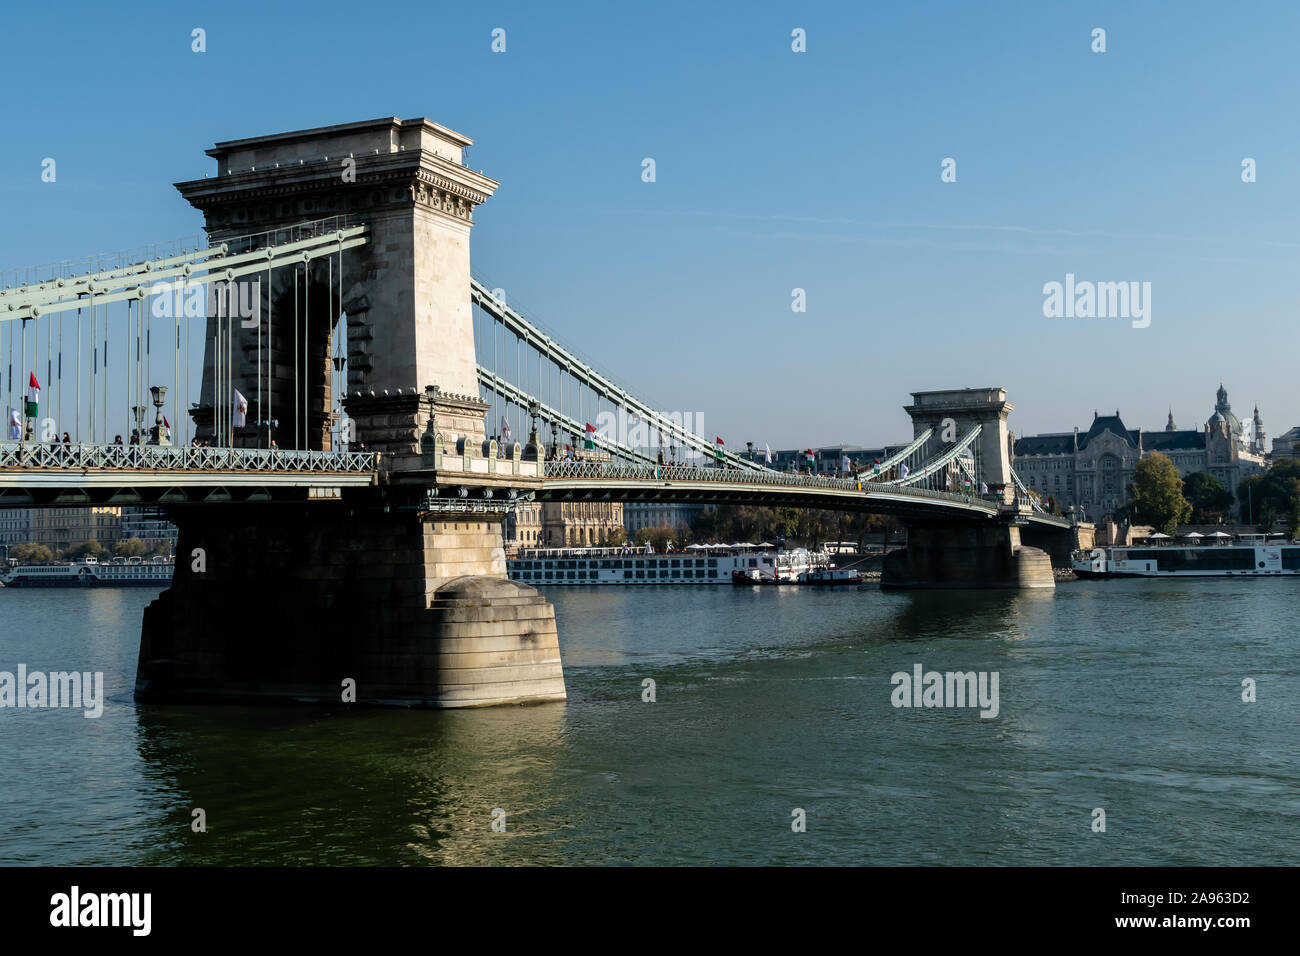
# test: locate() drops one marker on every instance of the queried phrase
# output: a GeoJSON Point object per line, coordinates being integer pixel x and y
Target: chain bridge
{"type": "Point", "coordinates": [323, 396]}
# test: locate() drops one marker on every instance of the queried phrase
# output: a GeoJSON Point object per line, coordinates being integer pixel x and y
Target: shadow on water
{"type": "Point", "coordinates": [923, 615]}
{"type": "Point", "coordinates": [291, 786]}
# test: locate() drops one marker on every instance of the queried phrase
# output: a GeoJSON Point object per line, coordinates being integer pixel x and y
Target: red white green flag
{"type": "Point", "coordinates": [33, 397]}
{"type": "Point", "coordinates": [591, 437]}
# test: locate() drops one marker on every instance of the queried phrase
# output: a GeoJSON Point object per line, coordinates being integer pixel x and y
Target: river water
{"type": "Point", "coordinates": [1123, 696]}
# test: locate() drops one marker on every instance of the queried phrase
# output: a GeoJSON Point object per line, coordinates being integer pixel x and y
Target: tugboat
{"type": "Point", "coordinates": [830, 577]}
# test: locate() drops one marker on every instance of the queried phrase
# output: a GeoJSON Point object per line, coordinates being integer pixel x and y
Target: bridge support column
{"type": "Point", "coordinates": [966, 555]}
{"type": "Point", "coordinates": [1059, 543]}
{"type": "Point", "coordinates": [289, 602]}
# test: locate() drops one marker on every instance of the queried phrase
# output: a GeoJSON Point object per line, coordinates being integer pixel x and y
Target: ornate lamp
{"type": "Point", "coordinates": [158, 434]}
{"type": "Point", "coordinates": [138, 411]}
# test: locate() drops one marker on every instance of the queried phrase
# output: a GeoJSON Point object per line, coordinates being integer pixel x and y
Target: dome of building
{"type": "Point", "coordinates": [1223, 413]}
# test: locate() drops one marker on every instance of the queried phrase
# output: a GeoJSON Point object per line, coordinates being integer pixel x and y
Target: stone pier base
{"type": "Point", "coordinates": [966, 556]}
{"type": "Point", "coordinates": [289, 602]}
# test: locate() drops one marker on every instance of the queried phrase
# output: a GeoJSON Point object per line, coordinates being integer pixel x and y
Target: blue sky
{"type": "Point", "coordinates": [775, 170]}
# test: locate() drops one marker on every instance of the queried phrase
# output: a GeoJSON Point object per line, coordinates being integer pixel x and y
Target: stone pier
{"type": "Point", "coordinates": [973, 555]}
{"type": "Point", "coordinates": [283, 601]}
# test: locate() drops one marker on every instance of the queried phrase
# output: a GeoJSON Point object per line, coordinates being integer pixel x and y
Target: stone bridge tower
{"type": "Point", "coordinates": [965, 408]}
{"type": "Point", "coordinates": [405, 293]}
{"type": "Point", "coordinates": [400, 588]}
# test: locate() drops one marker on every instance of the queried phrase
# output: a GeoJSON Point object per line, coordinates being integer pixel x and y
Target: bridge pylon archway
{"type": "Point", "coordinates": [952, 413]}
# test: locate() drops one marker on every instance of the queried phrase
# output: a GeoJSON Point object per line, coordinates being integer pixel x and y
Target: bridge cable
{"type": "Point", "coordinates": [49, 361]}
{"type": "Point", "coordinates": [216, 372]}
{"type": "Point", "coordinates": [179, 397]}
{"type": "Point", "coordinates": [306, 338]}
{"type": "Point", "coordinates": [230, 364]}
{"type": "Point", "coordinates": [77, 380]}
{"type": "Point", "coordinates": [130, 325]}
{"type": "Point", "coordinates": [105, 408]}
{"type": "Point", "coordinates": [295, 356]}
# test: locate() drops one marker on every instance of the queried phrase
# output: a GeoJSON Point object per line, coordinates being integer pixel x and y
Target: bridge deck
{"type": "Point", "coordinates": [595, 480]}
{"type": "Point", "coordinates": [58, 474]}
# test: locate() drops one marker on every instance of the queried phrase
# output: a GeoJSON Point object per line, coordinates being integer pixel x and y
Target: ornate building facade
{"type": "Point", "coordinates": [1092, 470]}
{"type": "Point", "coordinates": [654, 514]}
{"type": "Point", "coordinates": [62, 528]}
{"type": "Point", "coordinates": [582, 524]}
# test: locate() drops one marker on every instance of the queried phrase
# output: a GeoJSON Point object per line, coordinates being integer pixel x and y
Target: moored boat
{"type": "Point", "coordinates": [705, 564]}
{"type": "Point", "coordinates": [154, 572]}
{"type": "Point", "coordinates": [830, 577]}
{"type": "Point", "coordinates": [1248, 556]}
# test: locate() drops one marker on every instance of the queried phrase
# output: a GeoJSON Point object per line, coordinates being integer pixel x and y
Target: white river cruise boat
{"type": "Point", "coordinates": [1250, 555]}
{"type": "Point", "coordinates": [543, 567]}
{"type": "Point", "coordinates": [119, 573]}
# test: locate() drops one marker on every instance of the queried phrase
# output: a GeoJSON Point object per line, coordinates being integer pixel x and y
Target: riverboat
{"type": "Point", "coordinates": [125, 573]}
{"type": "Point", "coordinates": [548, 567]}
{"type": "Point", "coordinates": [1247, 556]}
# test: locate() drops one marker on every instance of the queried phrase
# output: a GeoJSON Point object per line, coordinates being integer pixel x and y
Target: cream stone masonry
{"type": "Point", "coordinates": [968, 407]}
{"type": "Point", "coordinates": [400, 588]}
{"type": "Point", "coordinates": [406, 293]}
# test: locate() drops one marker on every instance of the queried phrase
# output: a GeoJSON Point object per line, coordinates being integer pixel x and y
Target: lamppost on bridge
{"type": "Point", "coordinates": [750, 446]}
{"type": "Point", "coordinates": [158, 435]}
{"type": "Point", "coordinates": [533, 443]}
{"type": "Point", "coordinates": [555, 440]}
{"type": "Point", "coordinates": [138, 411]}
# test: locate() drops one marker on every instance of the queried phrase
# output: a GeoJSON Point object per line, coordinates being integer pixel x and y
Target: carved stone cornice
{"type": "Point", "coordinates": [386, 181]}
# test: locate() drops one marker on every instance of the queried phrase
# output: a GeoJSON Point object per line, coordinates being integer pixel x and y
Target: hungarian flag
{"type": "Point", "coordinates": [590, 443]}
{"type": "Point", "coordinates": [239, 409]}
{"type": "Point", "coordinates": [875, 470]}
{"type": "Point", "coordinates": [33, 397]}
{"type": "Point", "coordinates": [720, 445]}
{"type": "Point", "coordinates": [808, 454]}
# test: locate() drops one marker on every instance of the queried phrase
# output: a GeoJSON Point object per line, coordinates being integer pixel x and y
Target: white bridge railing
{"type": "Point", "coordinates": [79, 457]}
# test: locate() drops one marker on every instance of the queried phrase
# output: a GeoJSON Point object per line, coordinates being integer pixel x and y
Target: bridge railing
{"type": "Point", "coordinates": [614, 471]}
{"type": "Point", "coordinates": [80, 457]}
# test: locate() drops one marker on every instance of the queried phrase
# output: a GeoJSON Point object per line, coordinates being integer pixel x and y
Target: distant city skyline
{"type": "Point", "coordinates": [775, 171]}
